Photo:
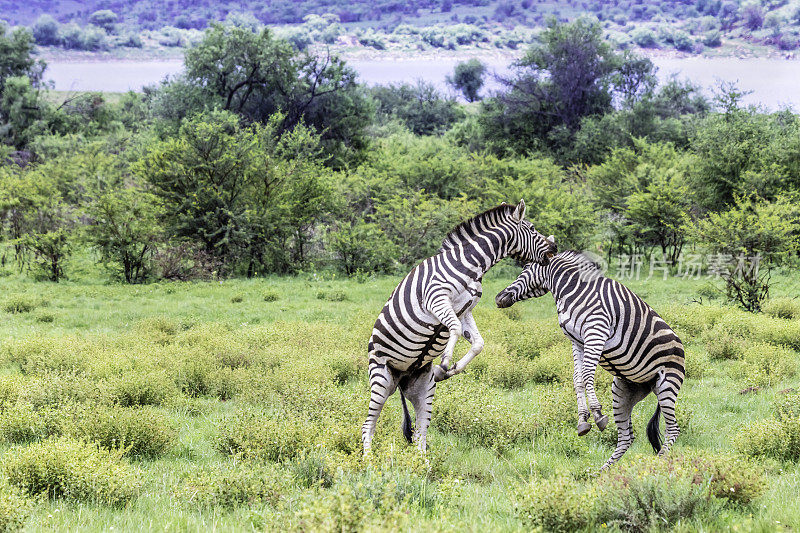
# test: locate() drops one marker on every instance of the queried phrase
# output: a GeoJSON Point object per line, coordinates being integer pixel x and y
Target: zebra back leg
{"type": "Point", "coordinates": [419, 388]}
{"type": "Point", "coordinates": [382, 384]}
{"type": "Point", "coordinates": [580, 390]}
{"type": "Point", "coordinates": [626, 395]}
{"type": "Point", "coordinates": [666, 389]}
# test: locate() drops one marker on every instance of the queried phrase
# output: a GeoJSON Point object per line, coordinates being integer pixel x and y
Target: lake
{"type": "Point", "coordinates": [775, 83]}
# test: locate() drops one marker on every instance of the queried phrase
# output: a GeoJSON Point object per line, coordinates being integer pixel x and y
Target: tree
{"type": "Point", "coordinates": [750, 239]}
{"type": "Point", "coordinates": [20, 78]}
{"type": "Point", "coordinates": [468, 78]}
{"type": "Point", "coordinates": [256, 75]}
{"type": "Point", "coordinates": [572, 73]}
{"type": "Point", "coordinates": [105, 18]}
{"type": "Point", "coordinates": [45, 31]}
{"type": "Point", "coordinates": [421, 107]}
{"type": "Point", "coordinates": [17, 50]}
{"type": "Point", "coordinates": [124, 225]}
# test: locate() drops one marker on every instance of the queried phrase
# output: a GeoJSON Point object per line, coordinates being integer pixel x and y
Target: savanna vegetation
{"type": "Point", "coordinates": [188, 277]}
{"type": "Point", "coordinates": [697, 26]}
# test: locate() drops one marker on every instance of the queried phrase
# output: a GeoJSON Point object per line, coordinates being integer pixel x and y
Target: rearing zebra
{"type": "Point", "coordinates": [432, 307]}
{"type": "Point", "coordinates": [608, 324]}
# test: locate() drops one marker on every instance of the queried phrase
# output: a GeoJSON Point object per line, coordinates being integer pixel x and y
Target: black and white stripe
{"type": "Point", "coordinates": [432, 307]}
{"type": "Point", "coordinates": [608, 324]}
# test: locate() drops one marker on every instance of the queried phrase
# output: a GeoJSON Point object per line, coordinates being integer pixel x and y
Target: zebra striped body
{"type": "Point", "coordinates": [609, 325]}
{"type": "Point", "coordinates": [431, 308]}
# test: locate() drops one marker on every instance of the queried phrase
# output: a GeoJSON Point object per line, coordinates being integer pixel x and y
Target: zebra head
{"type": "Point", "coordinates": [529, 284]}
{"type": "Point", "coordinates": [527, 244]}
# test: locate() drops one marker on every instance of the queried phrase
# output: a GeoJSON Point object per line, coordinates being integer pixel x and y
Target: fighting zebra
{"type": "Point", "coordinates": [608, 324]}
{"type": "Point", "coordinates": [432, 307]}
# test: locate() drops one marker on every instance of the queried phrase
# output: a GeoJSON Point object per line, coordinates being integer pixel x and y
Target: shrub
{"type": "Point", "coordinates": [271, 296]}
{"type": "Point", "coordinates": [21, 423]}
{"type": "Point", "coordinates": [778, 439]}
{"type": "Point", "coordinates": [764, 364]}
{"type": "Point", "coordinates": [139, 432]}
{"type": "Point", "coordinates": [45, 317]}
{"type": "Point", "coordinates": [645, 38]}
{"type": "Point", "coordinates": [230, 486]}
{"type": "Point", "coordinates": [558, 504]}
{"type": "Point", "coordinates": [712, 38]}
{"type": "Point", "coordinates": [529, 339]}
{"type": "Point", "coordinates": [722, 344]}
{"type": "Point", "coordinates": [257, 434]}
{"type": "Point", "coordinates": [788, 407]}
{"type": "Point", "coordinates": [63, 467]}
{"type": "Point", "coordinates": [332, 296]}
{"type": "Point", "coordinates": [477, 413]}
{"type": "Point", "coordinates": [14, 507]}
{"type": "Point", "coordinates": [311, 469]}
{"type": "Point", "coordinates": [141, 388]}
{"type": "Point", "coordinates": [22, 303]}
{"type": "Point", "coordinates": [788, 308]}
{"type": "Point", "coordinates": [237, 298]}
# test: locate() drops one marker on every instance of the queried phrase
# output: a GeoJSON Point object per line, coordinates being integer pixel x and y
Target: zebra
{"type": "Point", "coordinates": [608, 324]}
{"type": "Point", "coordinates": [431, 308]}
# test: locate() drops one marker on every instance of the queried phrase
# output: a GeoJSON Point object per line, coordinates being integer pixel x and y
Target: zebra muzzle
{"type": "Point", "coordinates": [504, 299]}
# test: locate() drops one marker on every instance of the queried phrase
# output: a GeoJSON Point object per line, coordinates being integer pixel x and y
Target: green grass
{"type": "Point", "coordinates": [222, 353]}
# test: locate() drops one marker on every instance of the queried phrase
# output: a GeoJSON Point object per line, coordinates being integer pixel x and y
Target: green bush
{"type": "Point", "coordinates": [271, 296]}
{"type": "Point", "coordinates": [311, 469]}
{"type": "Point", "coordinates": [788, 308]}
{"type": "Point", "coordinates": [23, 303]}
{"type": "Point", "coordinates": [141, 388]}
{"type": "Point", "coordinates": [529, 339]}
{"type": "Point", "coordinates": [722, 345]}
{"type": "Point", "coordinates": [478, 413]}
{"type": "Point", "coordinates": [770, 438]}
{"type": "Point", "coordinates": [21, 423]}
{"type": "Point", "coordinates": [232, 485]}
{"type": "Point", "coordinates": [63, 467]}
{"type": "Point", "coordinates": [138, 432]}
{"type": "Point", "coordinates": [258, 434]}
{"type": "Point", "coordinates": [559, 504]}
{"type": "Point", "coordinates": [14, 507]}
{"type": "Point", "coordinates": [332, 296]}
{"type": "Point", "coordinates": [237, 298]}
{"type": "Point", "coordinates": [44, 317]}
{"type": "Point", "coordinates": [763, 365]}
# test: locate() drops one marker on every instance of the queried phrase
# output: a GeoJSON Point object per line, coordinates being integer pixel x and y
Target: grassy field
{"type": "Point", "coordinates": [237, 405]}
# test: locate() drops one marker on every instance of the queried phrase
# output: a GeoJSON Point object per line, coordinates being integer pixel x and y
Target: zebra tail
{"type": "Point", "coordinates": [654, 431]}
{"type": "Point", "coordinates": [407, 426]}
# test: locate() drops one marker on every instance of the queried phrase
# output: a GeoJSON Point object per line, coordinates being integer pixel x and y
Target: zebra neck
{"type": "Point", "coordinates": [476, 259]}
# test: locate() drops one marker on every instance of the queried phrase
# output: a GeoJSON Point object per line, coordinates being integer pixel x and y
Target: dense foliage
{"type": "Point", "coordinates": [263, 158]}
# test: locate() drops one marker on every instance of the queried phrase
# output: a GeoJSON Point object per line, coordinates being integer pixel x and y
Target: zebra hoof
{"type": "Point", "coordinates": [602, 422]}
{"type": "Point", "coordinates": [439, 373]}
{"type": "Point", "coordinates": [583, 428]}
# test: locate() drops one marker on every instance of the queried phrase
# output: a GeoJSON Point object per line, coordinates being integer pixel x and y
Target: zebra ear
{"type": "Point", "coordinates": [519, 212]}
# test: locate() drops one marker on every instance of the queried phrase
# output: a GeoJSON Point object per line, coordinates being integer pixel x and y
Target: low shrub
{"type": "Point", "coordinates": [471, 410]}
{"type": "Point", "coordinates": [529, 339]}
{"type": "Point", "coordinates": [559, 504]}
{"type": "Point", "coordinates": [271, 296]}
{"type": "Point", "coordinates": [23, 303]}
{"type": "Point", "coordinates": [554, 365]}
{"type": "Point", "coordinates": [14, 507]}
{"type": "Point", "coordinates": [311, 468]}
{"type": "Point", "coordinates": [21, 423]}
{"type": "Point", "coordinates": [764, 364]}
{"type": "Point", "coordinates": [237, 298]}
{"type": "Point", "coordinates": [778, 438]}
{"type": "Point", "coordinates": [233, 485]}
{"type": "Point", "coordinates": [787, 308]}
{"type": "Point", "coordinates": [63, 467]}
{"type": "Point", "coordinates": [722, 344]}
{"type": "Point", "coordinates": [44, 317]}
{"type": "Point", "coordinates": [141, 388]}
{"type": "Point", "coordinates": [332, 296]}
{"type": "Point", "coordinates": [138, 432]}
{"type": "Point", "coordinates": [258, 434]}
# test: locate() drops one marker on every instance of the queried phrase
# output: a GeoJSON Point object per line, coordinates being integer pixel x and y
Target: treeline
{"type": "Point", "coordinates": [264, 159]}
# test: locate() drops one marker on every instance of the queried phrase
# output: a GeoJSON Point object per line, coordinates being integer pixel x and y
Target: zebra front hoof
{"type": "Point", "coordinates": [601, 422]}
{"type": "Point", "coordinates": [583, 428]}
{"type": "Point", "coordinates": [439, 373]}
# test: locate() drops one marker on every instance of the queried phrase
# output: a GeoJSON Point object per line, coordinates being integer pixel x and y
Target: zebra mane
{"type": "Point", "coordinates": [456, 235]}
{"type": "Point", "coordinates": [579, 260]}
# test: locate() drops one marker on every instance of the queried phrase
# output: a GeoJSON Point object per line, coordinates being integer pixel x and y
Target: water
{"type": "Point", "coordinates": [775, 83]}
